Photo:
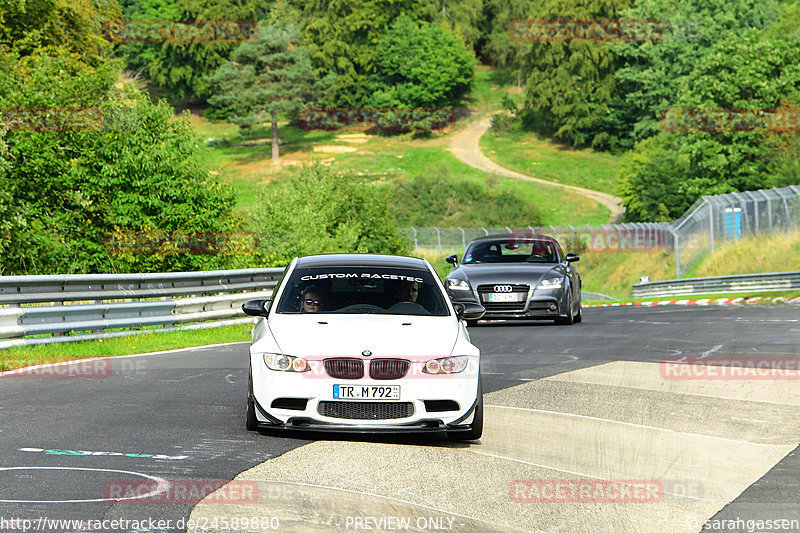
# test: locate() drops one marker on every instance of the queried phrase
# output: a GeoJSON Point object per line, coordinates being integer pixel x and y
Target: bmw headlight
{"type": "Point", "coordinates": [458, 284]}
{"type": "Point", "coordinates": [550, 283]}
{"type": "Point", "coordinates": [445, 365]}
{"type": "Point", "coordinates": [285, 363]}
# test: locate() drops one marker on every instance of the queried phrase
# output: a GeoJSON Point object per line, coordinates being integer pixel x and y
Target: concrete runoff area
{"type": "Point", "coordinates": [653, 453]}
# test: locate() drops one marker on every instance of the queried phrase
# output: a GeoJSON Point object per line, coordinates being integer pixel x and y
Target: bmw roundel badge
{"type": "Point", "coordinates": [366, 353]}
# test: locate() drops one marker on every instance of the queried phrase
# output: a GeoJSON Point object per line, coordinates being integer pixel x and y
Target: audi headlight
{"type": "Point", "coordinates": [551, 283]}
{"type": "Point", "coordinates": [458, 284]}
{"type": "Point", "coordinates": [285, 363]}
{"type": "Point", "coordinates": [446, 365]}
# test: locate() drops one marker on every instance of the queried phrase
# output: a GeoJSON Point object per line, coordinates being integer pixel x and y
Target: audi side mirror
{"type": "Point", "coordinates": [452, 259]}
{"type": "Point", "coordinates": [573, 258]}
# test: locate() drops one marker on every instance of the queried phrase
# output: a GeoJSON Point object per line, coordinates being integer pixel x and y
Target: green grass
{"type": "Point", "coordinates": [22, 356]}
{"type": "Point", "coordinates": [533, 155]}
{"type": "Point", "coordinates": [245, 162]}
{"type": "Point", "coordinates": [405, 160]}
{"type": "Point", "coordinates": [489, 88]}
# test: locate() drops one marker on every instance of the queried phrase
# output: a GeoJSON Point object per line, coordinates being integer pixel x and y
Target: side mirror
{"type": "Point", "coordinates": [256, 307]}
{"type": "Point", "coordinates": [468, 310]}
{"type": "Point", "coordinates": [452, 259]}
{"type": "Point", "coordinates": [573, 258]}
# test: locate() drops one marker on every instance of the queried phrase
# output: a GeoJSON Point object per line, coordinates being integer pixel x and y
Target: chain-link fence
{"type": "Point", "coordinates": [711, 220]}
{"type": "Point", "coordinates": [726, 217]}
{"type": "Point", "coordinates": [605, 238]}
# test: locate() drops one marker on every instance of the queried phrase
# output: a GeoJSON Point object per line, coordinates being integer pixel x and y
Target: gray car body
{"type": "Point", "coordinates": [538, 301]}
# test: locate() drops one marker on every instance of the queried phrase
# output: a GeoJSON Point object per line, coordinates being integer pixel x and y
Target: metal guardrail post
{"type": "Point", "coordinates": [769, 208]}
{"type": "Point", "coordinates": [438, 238]}
{"type": "Point", "coordinates": [463, 238]}
{"type": "Point", "coordinates": [677, 242]}
{"type": "Point", "coordinates": [710, 222]}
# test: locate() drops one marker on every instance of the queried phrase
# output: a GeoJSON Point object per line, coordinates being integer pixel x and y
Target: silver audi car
{"type": "Point", "coordinates": [518, 276]}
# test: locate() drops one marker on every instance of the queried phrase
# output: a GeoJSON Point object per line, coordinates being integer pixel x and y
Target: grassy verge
{"type": "Point", "coordinates": [533, 155]}
{"type": "Point", "coordinates": [22, 356]}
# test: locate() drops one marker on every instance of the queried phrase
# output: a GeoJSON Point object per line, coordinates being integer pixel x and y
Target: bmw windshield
{"type": "Point", "coordinates": [363, 290]}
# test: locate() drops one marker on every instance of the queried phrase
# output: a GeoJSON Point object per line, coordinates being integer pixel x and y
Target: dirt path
{"type": "Point", "coordinates": [464, 145]}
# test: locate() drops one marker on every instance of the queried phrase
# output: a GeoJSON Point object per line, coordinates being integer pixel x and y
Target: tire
{"type": "Point", "coordinates": [570, 318]}
{"type": "Point", "coordinates": [251, 422]}
{"type": "Point", "coordinates": [579, 316]}
{"type": "Point", "coordinates": [476, 428]}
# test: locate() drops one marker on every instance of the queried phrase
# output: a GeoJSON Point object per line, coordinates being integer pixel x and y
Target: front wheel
{"type": "Point", "coordinates": [579, 316]}
{"type": "Point", "coordinates": [476, 428]}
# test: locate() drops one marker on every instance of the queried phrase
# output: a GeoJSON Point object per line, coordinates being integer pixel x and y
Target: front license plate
{"type": "Point", "coordinates": [366, 392]}
{"type": "Point", "coordinates": [504, 297]}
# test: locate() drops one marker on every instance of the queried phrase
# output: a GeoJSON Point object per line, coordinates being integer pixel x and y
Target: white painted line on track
{"type": "Point", "coordinates": [590, 477]}
{"type": "Point", "coordinates": [611, 422]}
{"type": "Point", "coordinates": [161, 486]}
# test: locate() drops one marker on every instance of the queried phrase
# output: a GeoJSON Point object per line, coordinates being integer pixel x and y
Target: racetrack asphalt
{"type": "Point", "coordinates": [585, 402]}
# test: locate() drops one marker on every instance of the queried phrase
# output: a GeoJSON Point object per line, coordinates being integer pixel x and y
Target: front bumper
{"type": "Point", "coordinates": [540, 304]}
{"type": "Point", "coordinates": [428, 403]}
{"type": "Point", "coordinates": [299, 423]}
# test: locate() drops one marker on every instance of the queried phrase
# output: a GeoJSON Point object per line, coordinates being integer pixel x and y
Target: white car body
{"type": "Point", "coordinates": [305, 399]}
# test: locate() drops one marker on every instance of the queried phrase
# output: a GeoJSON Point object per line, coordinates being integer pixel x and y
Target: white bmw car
{"type": "Point", "coordinates": [364, 343]}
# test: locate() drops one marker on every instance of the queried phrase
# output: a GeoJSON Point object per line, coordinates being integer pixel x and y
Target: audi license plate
{"type": "Point", "coordinates": [504, 297]}
{"type": "Point", "coordinates": [366, 392]}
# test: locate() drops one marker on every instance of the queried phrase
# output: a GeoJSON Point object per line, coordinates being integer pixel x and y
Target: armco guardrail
{"type": "Point", "coordinates": [771, 282]}
{"type": "Point", "coordinates": [175, 300]}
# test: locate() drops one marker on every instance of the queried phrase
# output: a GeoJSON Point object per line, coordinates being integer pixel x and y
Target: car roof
{"type": "Point", "coordinates": [369, 260]}
{"type": "Point", "coordinates": [506, 236]}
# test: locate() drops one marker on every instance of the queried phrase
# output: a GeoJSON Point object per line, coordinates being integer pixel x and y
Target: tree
{"type": "Point", "coordinates": [499, 47]}
{"type": "Point", "coordinates": [130, 168]}
{"type": "Point", "coordinates": [77, 25]}
{"type": "Point", "coordinates": [652, 72]}
{"type": "Point", "coordinates": [342, 35]}
{"type": "Point", "coordinates": [651, 180]}
{"type": "Point", "coordinates": [463, 17]}
{"type": "Point", "coordinates": [744, 76]}
{"type": "Point", "coordinates": [317, 210]}
{"type": "Point", "coordinates": [744, 71]}
{"type": "Point", "coordinates": [266, 76]}
{"type": "Point", "coordinates": [420, 66]}
{"type": "Point", "coordinates": [182, 67]}
{"type": "Point", "coordinates": [571, 83]}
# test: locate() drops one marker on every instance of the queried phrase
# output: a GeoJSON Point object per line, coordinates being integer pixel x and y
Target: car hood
{"type": "Point", "coordinates": [349, 335]}
{"type": "Point", "coordinates": [484, 273]}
